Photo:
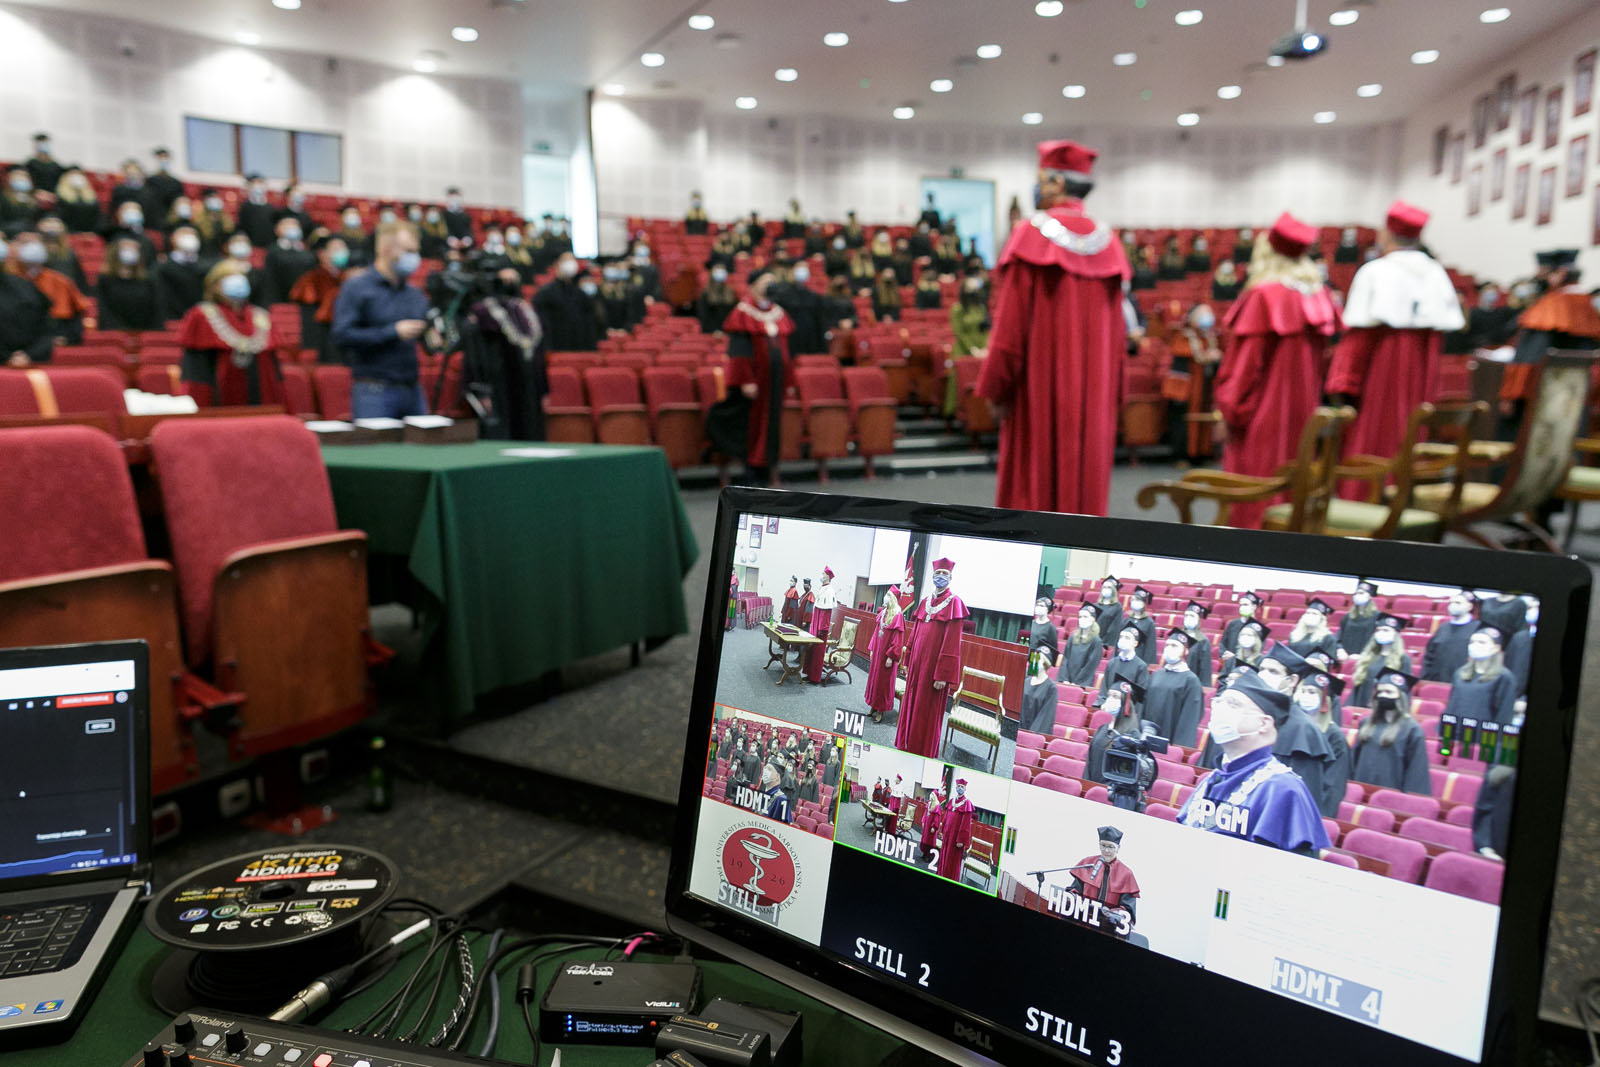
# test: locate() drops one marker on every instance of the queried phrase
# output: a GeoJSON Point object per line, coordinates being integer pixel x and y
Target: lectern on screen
{"type": "Point", "coordinates": [909, 797]}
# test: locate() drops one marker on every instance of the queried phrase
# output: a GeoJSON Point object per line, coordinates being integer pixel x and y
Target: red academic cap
{"type": "Point", "coordinates": [1068, 156]}
{"type": "Point", "coordinates": [944, 564]}
{"type": "Point", "coordinates": [1291, 237]}
{"type": "Point", "coordinates": [828, 571]}
{"type": "Point", "coordinates": [1405, 220]}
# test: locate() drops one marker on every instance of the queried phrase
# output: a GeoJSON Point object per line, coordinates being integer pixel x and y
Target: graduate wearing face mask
{"type": "Point", "coordinates": [716, 301]}
{"type": "Point", "coordinates": [1390, 750]}
{"type": "Point", "coordinates": [1080, 658]}
{"type": "Point", "coordinates": [316, 291]}
{"type": "Point", "coordinates": [287, 261]}
{"type": "Point", "coordinates": [1249, 606]}
{"type": "Point", "coordinates": [568, 309]}
{"type": "Point", "coordinates": [695, 223]}
{"type": "Point", "coordinates": [457, 222]}
{"type": "Point", "coordinates": [1447, 648]}
{"type": "Point", "coordinates": [181, 275]}
{"type": "Point", "coordinates": [1173, 697]}
{"type": "Point", "coordinates": [1125, 664]}
{"type": "Point", "coordinates": [26, 334]}
{"type": "Point", "coordinates": [229, 344]}
{"type": "Point", "coordinates": [127, 298]}
{"type": "Point", "coordinates": [257, 214]}
{"type": "Point", "coordinates": [1138, 615]}
{"type": "Point", "coordinates": [1483, 688]}
{"type": "Point", "coordinates": [505, 349]}
{"type": "Point", "coordinates": [623, 302]}
{"type": "Point", "coordinates": [1253, 795]}
{"type": "Point", "coordinates": [1194, 616]}
{"type": "Point", "coordinates": [761, 367]}
{"type": "Point", "coordinates": [1123, 702]}
{"type": "Point", "coordinates": [1317, 696]}
{"type": "Point", "coordinates": [19, 209]}
{"type": "Point", "coordinates": [1250, 642]}
{"type": "Point", "coordinates": [1383, 653]}
{"type": "Point", "coordinates": [1109, 609]}
{"type": "Point", "coordinates": [69, 308]}
{"type": "Point", "coordinates": [804, 307]}
{"type": "Point", "coordinates": [1355, 628]}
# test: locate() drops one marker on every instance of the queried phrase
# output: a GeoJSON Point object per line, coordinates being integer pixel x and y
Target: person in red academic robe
{"type": "Point", "coordinates": [825, 597]}
{"type": "Point", "coordinates": [1398, 310]}
{"type": "Point", "coordinates": [1270, 380]}
{"type": "Point", "coordinates": [883, 654]}
{"type": "Point", "coordinates": [932, 820]}
{"type": "Point", "coordinates": [791, 602]}
{"type": "Point", "coordinates": [1107, 879]}
{"type": "Point", "coordinates": [1054, 368]}
{"type": "Point", "coordinates": [955, 833]}
{"type": "Point", "coordinates": [932, 662]}
{"type": "Point", "coordinates": [229, 344]}
{"type": "Point", "coordinates": [758, 348]}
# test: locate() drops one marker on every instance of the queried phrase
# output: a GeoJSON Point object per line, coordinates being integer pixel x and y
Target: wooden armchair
{"type": "Point", "coordinates": [1427, 475]}
{"type": "Point", "coordinates": [836, 660]}
{"type": "Point", "coordinates": [1308, 480]}
{"type": "Point", "coordinates": [977, 712]}
{"type": "Point", "coordinates": [1581, 486]}
{"type": "Point", "coordinates": [1538, 463]}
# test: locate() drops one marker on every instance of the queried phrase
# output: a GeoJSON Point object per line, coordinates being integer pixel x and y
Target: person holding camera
{"type": "Point", "coordinates": [1123, 701]}
{"type": "Point", "coordinates": [377, 321]}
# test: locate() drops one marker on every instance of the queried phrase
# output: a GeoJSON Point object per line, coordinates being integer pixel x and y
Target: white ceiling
{"type": "Point", "coordinates": [896, 49]}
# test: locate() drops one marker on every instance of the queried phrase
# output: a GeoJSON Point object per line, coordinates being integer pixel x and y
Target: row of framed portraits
{"type": "Point", "coordinates": [1494, 111]}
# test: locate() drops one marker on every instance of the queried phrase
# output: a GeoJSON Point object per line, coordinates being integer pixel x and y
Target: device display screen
{"type": "Point", "coordinates": [987, 770]}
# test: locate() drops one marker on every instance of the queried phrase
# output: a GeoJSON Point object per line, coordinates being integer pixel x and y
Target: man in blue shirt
{"type": "Point", "coordinates": [377, 320]}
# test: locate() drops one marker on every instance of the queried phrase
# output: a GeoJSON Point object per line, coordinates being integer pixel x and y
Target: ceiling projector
{"type": "Point", "coordinates": [1300, 44]}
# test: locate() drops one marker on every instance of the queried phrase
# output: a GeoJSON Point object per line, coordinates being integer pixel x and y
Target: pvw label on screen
{"type": "Point", "coordinates": [1353, 999]}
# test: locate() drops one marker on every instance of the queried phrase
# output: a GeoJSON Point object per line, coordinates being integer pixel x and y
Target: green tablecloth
{"type": "Point", "coordinates": [123, 1018]}
{"type": "Point", "coordinates": [526, 563]}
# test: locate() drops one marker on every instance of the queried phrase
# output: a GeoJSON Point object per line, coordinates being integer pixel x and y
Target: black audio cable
{"type": "Point", "coordinates": [519, 945]}
{"type": "Point", "coordinates": [527, 988]}
{"type": "Point", "coordinates": [402, 998]}
{"type": "Point", "coordinates": [468, 980]}
{"type": "Point", "coordinates": [394, 1004]}
{"type": "Point", "coordinates": [494, 997]}
{"type": "Point", "coordinates": [329, 987]}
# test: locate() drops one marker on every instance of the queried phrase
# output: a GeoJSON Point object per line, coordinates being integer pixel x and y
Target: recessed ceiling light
{"type": "Point", "coordinates": [613, 88]}
{"type": "Point", "coordinates": [1048, 9]}
{"type": "Point", "coordinates": [1343, 18]}
{"type": "Point", "coordinates": [745, 103]}
{"type": "Point", "coordinates": [1188, 118]}
{"type": "Point", "coordinates": [1191, 17]}
{"type": "Point", "coordinates": [903, 112]}
{"type": "Point", "coordinates": [1369, 89]}
{"type": "Point", "coordinates": [1495, 14]}
{"type": "Point", "coordinates": [1228, 92]}
{"type": "Point", "coordinates": [1324, 117]}
{"type": "Point", "coordinates": [988, 51]}
{"type": "Point", "coordinates": [424, 64]}
{"type": "Point", "coordinates": [1032, 118]}
{"type": "Point", "coordinates": [247, 37]}
{"type": "Point", "coordinates": [836, 39]}
{"type": "Point", "coordinates": [897, 1]}
{"type": "Point", "coordinates": [652, 59]}
{"type": "Point", "coordinates": [1073, 92]}
{"type": "Point", "coordinates": [1125, 59]}
{"type": "Point", "coordinates": [1427, 55]}
{"type": "Point", "coordinates": [941, 85]}
{"type": "Point", "coordinates": [786, 74]}
{"type": "Point", "coordinates": [294, 5]}
{"type": "Point", "coordinates": [465, 34]}
{"type": "Point", "coordinates": [701, 22]}
{"type": "Point", "coordinates": [1274, 61]}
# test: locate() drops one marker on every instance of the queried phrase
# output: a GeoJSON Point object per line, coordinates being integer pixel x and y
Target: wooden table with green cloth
{"type": "Point", "coordinates": [123, 1017]}
{"type": "Point", "coordinates": [524, 557]}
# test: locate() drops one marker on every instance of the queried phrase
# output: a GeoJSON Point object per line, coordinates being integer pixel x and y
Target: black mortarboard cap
{"type": "Point", "coordinates": [1130, 689]}
{"type": "Point", "coordinates": [1398, 679]}
{"type": "Point", "coordinates": [1183, 637]}
{"type": "Point", "coordinates": [1321, 605]}
{"type": "Point", "coordinates": [1112, 834]}
{"type": "Point", "coordinates": [1253, 688]}
{"type": "Point", "coordinates": [1328, 683]}
{"type": "Point", "coordinates": [1292, 661]}
{"type": "Point", "coordinates": [1199, 608]}
{"type": "Point", "coordinates": [1394, 621]}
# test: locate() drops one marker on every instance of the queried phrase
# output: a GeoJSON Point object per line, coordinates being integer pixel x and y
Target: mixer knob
{"type": "Point", "coordinates": [183, 1030]}
{"type": "Point", "coordinates": [236, 1039]}
{"type": "Point", "coordinates": [154, 1055]}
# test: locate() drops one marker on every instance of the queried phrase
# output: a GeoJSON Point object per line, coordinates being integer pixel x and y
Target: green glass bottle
{"type": "Point", "coordinates": [380, 791]}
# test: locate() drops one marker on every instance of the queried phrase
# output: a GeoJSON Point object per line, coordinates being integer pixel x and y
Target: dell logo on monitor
{"type": "Point", "coordinates": [976, 1038]}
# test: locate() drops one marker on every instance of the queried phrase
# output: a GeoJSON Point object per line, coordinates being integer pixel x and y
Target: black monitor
{"type": "Point", "coordinates": [922, 789]}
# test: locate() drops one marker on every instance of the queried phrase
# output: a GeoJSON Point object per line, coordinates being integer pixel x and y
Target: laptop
{"type": "Point", "coordinates": [74, 826]}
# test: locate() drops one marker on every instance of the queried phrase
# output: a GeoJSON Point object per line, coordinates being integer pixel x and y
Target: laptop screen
{"type": "Point", "coordinates": [928, 753]}
{"type": "Point", "coordinates": [68, 788]}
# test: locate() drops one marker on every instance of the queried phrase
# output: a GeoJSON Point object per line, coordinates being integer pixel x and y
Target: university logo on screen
{"type": "Point", "coordinates": [759, 873]}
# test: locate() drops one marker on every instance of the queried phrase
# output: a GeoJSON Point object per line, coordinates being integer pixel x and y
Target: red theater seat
{"type": "Point", "coordinates": [274, 594]}
{"type": "Point", "coordinates": [872, 409]}
{"type": "Point", "coordinates": [1466, 876]}
{"type": "Point", "coordinates": [1370, 818]}
{"type": "Point", "coordinates": [620, 418]}
{"type": "Point", "coordinates": [1059, 784]}
{"type": "Point", "coordinates": [1405, 857]}
{"type": "Point", "coordinates": [333, 384]}
{"type": "Point", "coordinates": [1341, 859]}
{"type": "Point", "coordinates": [1438, 833]}
{"type": "Point", "coordinates": [297, 395]}
{"type": "Point", "coordinates": [1405, 803]}
{"type": "Point", "coordinates": [827, 414]}
{"type": "Point", "coordinates": [567, 418]}
{"type": "Point", "coordinates": [675, 420]}
{"type": "Point", "coordinates": [164, 380]}
{"type": "Point", "coordinates": [1065, 766]}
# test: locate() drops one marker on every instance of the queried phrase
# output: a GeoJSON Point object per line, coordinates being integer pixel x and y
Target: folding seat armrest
{"type": "Point", "coordinates": [823, 403]}
{"type": "Point", "coordinates": [620, 409]}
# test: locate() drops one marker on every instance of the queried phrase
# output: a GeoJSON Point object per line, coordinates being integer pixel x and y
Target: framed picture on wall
{"type": "Point", "coordinates": [1497, 175]}
{"type": "Point", "coordinates": [772, 525]}
{"type": "Point", "coordinates": [1527, 114]}
{"type": "Point", "coordinates": [1475, 190]}
{"type": "Point", "coordinates": [1482, 109]}
{"type": "Point", "coordinates": [1519, 190]}
{"type": "Point", "coordinates": [1441, 144]}
{"type": "Point", "coordinates": [1577, 164]}
{"type": "Point", "coordinates": [1583, 83]}
{"type": "Point", "coordinates": [1547, 196]}
{"type": "Point", "coordinates": [743, 519]}
{"type": "Point", "coordinates": [1458, 155]}
{"type": "Point", "coordinates": [755, 535]}
{"type": "Point", "coordinates": [1552, 117]}
{"type": "Point", "coordinates": [1505, 98]}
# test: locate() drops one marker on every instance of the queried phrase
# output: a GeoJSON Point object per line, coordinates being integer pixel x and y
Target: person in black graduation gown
{"type": "Point", "coordinates": [805, 308]}
{"type": "Point", "coordinates": [1315, 697]}
{"type": "Point", "coordinates": [836, 260]}
{"type": "Point", "coordinates": [505, 357]}
{"type": "Point", "coordinates": [1172, 268]}
{"type": "Point", "coordinates": [1125, 665]}
{"type": "Point", "coordinates": [1109, 608]}
{"type": "Point", "coordinates": [27, 334]}
{"type": "Point", "coordinates": [1355, 629]}
{"type": "Point", "coordinates": [127, 297]}
{"type": "Point", "coordinates": [1044, 640]}
{"type": "Point", "coordinates": [1173, 697]}
{"type": "Point", "coordinates": [76, 201]}
{"type": "Point", "coordinates": [1506, 612]}
{"type": "Point", "coordinates": [567, 310]}
{"type": "Point", "coordinates": [457, 222]}
{"type": "Point", "coordinates": [644, 275]}
{"type": "Point", "coordinates": [695, 223]}
{"type": "Point", "coordinates": [1038, 711]}
{"type": "Point", "coordinates": [1311, 633]}
{"type": "Point", "coordinates": [287, 260]}
{"type": "Point", "coordinates": [1080, 657]}
{"type": "Point", "coordinates": [750, 764]}
{"type": "Point", "coordinates": [62, 259]}
{"type": "Point", "coordinates": [1123, 701]}
{"type": "Point", "coordinates": [1390, 750]}
{"type": "Point", "coordinates": [928, 295]}
{"type": "Point", "coordinates": [623, 302]}
{"type": "Point", "coordinates": [830, 769]}
{"type": "Point", "coordinates": [1383, 653]}
{"type": "Point", "coordinates": [716, 301]}
{"type": "Point", "coordinates": [1251, 642]}
{"type": "Point", "coordinates": [755, 232]}
{"type": "Point", "coordinates": [1198, 261]}
{"type": "Point", "coordinates": [161, 188]}
{"type": "Point", "coordinates": [1519, 650]}
{"type": "Point", "coordinates": [921, 242]}
{"type": "Point", "coordinates": [886, 302]}
{"type": "Point", "coordinates": [1194, 614]}
{"type": "Point", "coordinates": [1491, 812]}
{"type": "Point", "coordinates": [930, 215]}
{"type": "Point", "coordinates": [180, 276]}
{"type": "Point", "coordinates": [1335, 706]}
{"type": "Point", "coordinates": [1244, 245]}
{"type": "Point", "coordinates": [1225, 283]}
{"type": "Point", "coordinates": [1447, 648]}
{"type": "Point", "coordinates": [257, 216]}
{"type": "Point", "coordinates": [816, 240]}
{"type": "Point", "coordinates": [43, 167]}
{"type": "Point", "coordinates": [903, 262]}
{"type": "Point", "coordinates": [294, 207]}
{"type": "Point", "coordinates": [1249, 604]}
{"type": "Point", "coordinates": [1138, 603]}
{"type": "Point", "coordinates": [1484, 689]}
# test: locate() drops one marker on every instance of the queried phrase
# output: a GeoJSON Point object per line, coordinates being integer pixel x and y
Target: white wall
{"type": "Point", "coordinates": [405, 135]}
{"type": "Point", "coordinates": [803, 548]}
{"type": "Point", "coordinates": [651, 153]}
{"type": "Point", "coordinates": [1492, 244]}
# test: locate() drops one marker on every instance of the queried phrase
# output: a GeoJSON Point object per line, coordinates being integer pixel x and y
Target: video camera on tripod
{"type": "Point", "coordinates": [1130, 769]}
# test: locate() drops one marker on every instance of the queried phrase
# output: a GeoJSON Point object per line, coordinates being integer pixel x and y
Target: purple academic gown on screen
{"type": "Point", "coordinates": [933, 654]}
{"type": "Point", "coordinates": [1275, 809]}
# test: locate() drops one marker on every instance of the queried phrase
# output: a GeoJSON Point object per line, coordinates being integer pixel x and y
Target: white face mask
{"type": "Point", "coordinates": [352, 220]}
{"type": "Point", "coordinates": [239, 251]}
{"type": "Point", "coordinates": [1309, 702]}
{"type": "Point", "coordinates": [568, 268]}
{"type": "Point", "coordinates": [1191, 620]}
{"type": "Point", "coordinates": [1127, 644]}
{"type": "Point", "coordinates": [1113, 706]}
{"type": "Point", "coordinates": [1459, 610]}
{"type": "Point", "coordinates": [1313, 620]}
{"type": "Point", "coordinates": [1225, 720]}
{"type": "Point", "coordinates": [1173, 654]}
{"type": "Point", "coordinates": [1247, 640]}
{"type": "Point", "coordinates": [186, 242]}
{"type": "Point", "coordinates": [1480, 649]}
{"type": "Point", "coordinates": [1383, 636]}
{"type": "Point", "coordinates": [1361, 600]}
{"type": "Point", "coordinates": [1246, 609]}
{"type": "Point", "coordinates": [1085, 621]}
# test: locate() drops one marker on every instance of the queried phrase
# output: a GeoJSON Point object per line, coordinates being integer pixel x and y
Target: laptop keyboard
{"type": "Point", "coordinates": [49, 937]}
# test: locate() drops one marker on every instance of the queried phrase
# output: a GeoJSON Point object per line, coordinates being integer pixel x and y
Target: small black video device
{"type": "Point", "coordinates": [615, 1002]}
